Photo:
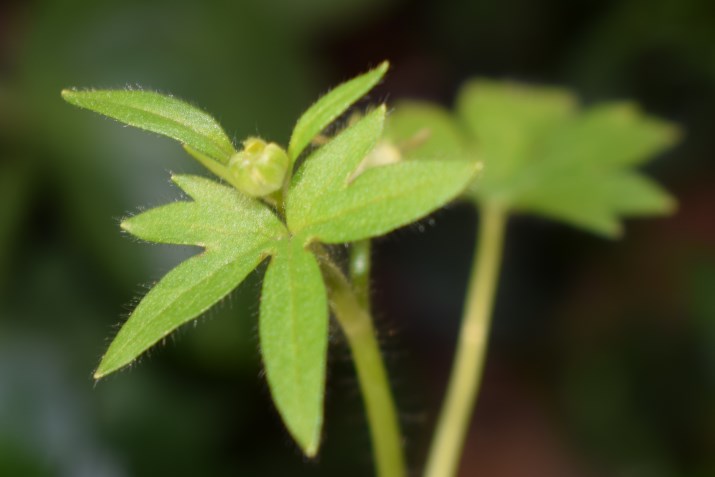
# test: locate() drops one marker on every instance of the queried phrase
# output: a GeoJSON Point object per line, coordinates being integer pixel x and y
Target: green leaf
{"type": "Point", "coordinates": [634, 194]}
{"type": "Point", "coordinates": [237, 233]}
{"type": "Point", "coordinates": [329, 107]}
{"type": "Point", "coordinates": [219, 169]}
{"type": "Point", "coordinates": [333, 199]}
{"type": "Point", "coordinates": [544, 155]}
{"type": "Point", "coordinates": [328, 168]}
{"type": "Point", "coordinates": [590, 210]}
{"type": "Point", "coordinates": [293, 330]}
{"type": "Point", "coordinates": [608, 136]}
{"type": "Point", "coordinates": [596, 201]}
{"type": "Point", "coordinates": [384, 198]}
{"type": "Point", "coordinates": [161, 114]}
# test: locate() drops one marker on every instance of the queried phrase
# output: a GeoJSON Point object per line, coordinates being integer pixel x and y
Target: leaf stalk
{"type": "Point", "coordinates": [356, 323]}
{"type": "Point", "coordinates": [465, 380]}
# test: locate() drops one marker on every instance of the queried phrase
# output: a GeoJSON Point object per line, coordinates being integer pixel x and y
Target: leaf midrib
{"type": "Point", "coordinates": [201, 133]}
{"type": "Point", "coordinates": [293, 328]}
{"type": "Point", "coordinates": [362, 205]}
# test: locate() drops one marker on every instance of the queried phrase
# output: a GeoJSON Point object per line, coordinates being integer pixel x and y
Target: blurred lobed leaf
{"type": "Point", "coordinates": [330, 106]}
{"type": "Point", "coordinates": [233, 248]}
{"type": "Point", "coordinates": [543, 154]}
{"type": "Point", "coordinates": [293, 330]}
{"type": "Point", "coordinates": [160, 114]}
{"type": "Point", "coordinates": [505, 123]}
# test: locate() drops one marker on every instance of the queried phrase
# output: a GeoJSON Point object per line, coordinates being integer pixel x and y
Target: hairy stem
{"type": "Point", "coordinates": [356, 324]}
{"type": "Point", "coordinates": [463, 388]}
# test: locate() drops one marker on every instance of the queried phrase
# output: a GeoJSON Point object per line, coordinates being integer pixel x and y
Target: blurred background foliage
{"type": "Point", "coordinates": [603, 355]}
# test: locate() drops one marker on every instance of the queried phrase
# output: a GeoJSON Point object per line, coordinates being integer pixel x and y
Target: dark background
{"type": "Point", "coordinates": [602, 359]}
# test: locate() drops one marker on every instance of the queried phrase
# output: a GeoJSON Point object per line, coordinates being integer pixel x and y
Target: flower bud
{"type": "Point", "coordinates": [260, 168]}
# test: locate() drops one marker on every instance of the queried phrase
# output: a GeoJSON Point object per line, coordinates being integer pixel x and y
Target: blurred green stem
{"type": "Point", "coordinates": [463, 388]}
{"type": "Point", "coordinates": [356, 323]}
{"type": "Point", "coordinates": [360, 271]}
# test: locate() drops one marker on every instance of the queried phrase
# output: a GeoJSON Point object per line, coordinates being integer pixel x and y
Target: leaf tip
{"type": "Point", "coordinates": [613, 231]}
{"type": "Point", "coordinates": [673, 134]}
{"type": "Point", "coordinates": [68, 94]}
{"type": "Point", "coordinates": [669, 205]}
{"type": "Point", "coordinates": [125, 225]}
{"type": "Point", "coordinates": [182, 180]}
{"type": "Point", "coordinates": [101, 370]}
{"type": "Point", "coordinates": [309, 442]}
{"type": "Point", "coordinates": [177, 179]}
{"type": "Point", "coordinates": [383, 67]}
{"type": "Point", "coordinates": [311, 450]}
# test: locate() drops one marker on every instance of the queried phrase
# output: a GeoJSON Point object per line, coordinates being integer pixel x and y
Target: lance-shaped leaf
{"type": "Point", "coordinates": [328, 169]}
{"type": "Point", "coordinates": [385, 198]}
{"type": "Point", "coordinates": [334, 200]}
{"type": "Point", "coordinates": [329, 107]}
{"type": "Point", "coordinates": [161, 114]}
{"type": "Point", "coordinates": [237, 233]}
{"type": "Point", "coordinates": [293, 330]}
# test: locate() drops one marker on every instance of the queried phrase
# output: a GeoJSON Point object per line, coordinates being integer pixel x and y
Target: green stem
{"type": "Point", "coordinates": [356, 324]}
{"type": "Point", "coordinates": [443, 460]}
{"type": "Point", "coordinates": [360, 271]}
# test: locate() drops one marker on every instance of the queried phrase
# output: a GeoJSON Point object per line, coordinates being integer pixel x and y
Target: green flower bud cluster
{"type": "Point", "coordinates": [260, 168]}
